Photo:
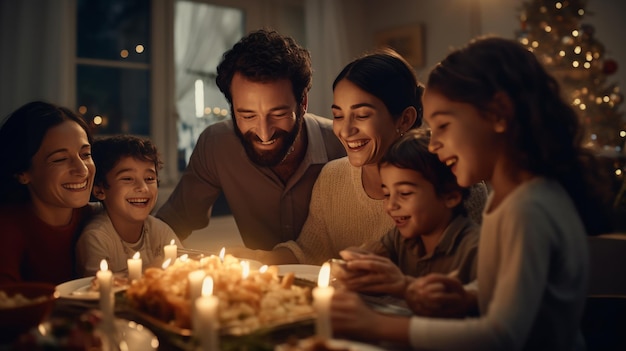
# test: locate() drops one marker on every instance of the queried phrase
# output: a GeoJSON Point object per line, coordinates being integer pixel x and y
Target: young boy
{"type": "Point", "coordinates": [432, 234]}
{"type": "Point", "coordinates": [126, 183]}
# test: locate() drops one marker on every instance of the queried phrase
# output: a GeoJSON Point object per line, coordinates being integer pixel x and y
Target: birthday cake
{"type": "Point", "coordinates": [248, 298]}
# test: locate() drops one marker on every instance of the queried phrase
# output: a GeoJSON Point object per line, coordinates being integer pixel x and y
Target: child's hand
{"type": "Point", "coordinates": [438, 295]}
{"type": "Point", "coordinates": [350, 316]}
{"type": "Point", "coordinates": [370, 273]}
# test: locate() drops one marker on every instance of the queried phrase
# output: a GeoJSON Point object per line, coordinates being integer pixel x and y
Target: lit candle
{"type": "Point", "coordinates": [105, 280]}
{"type": "Point", "coordinates": [134, 267]}
{"type": "Point", "coordinates": [205, 317]}
{"type": "Point", "coordinates": [245, 269]}
{"type": "Point", "coordinates": [195, 284]}
{"type": "Point", "coordinates": [170, 251]}
{"type": "Point", "coordinates": [322, 296]}
{"type": "Point", "coordinates": [222, 254]}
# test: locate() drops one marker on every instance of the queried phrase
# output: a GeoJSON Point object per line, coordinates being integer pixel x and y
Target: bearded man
{"type": "Point", "coordinates": [265, 160]}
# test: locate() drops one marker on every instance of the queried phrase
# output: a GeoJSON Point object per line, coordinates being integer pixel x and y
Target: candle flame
{"type": "Point", "coordinates": [104, 266]}
{"type": "Point", "coordinates": [263, 268]}
{"type": "Point", "coordinates": [136, 255]}
{"type": "Point", "coordinates": [207, 286]}
{"type": "Point", "coordinates": [172, 242]}
{"type": "Point", "coordinates": [166, 263]}
{"type": "Point", "coordinates": [324, 276]}
{"type": "Point", "coordinates": [245, 269]}
{"type": "Point", "coordinates": [183, 258]}
{"type": "Point", "coordinates": [222, 253]}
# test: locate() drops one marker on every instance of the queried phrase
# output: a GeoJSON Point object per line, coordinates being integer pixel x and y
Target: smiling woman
{"type": "Point", "coordinates": [45, 184]}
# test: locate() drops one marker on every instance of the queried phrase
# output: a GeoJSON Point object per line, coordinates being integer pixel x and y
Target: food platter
{"type": "Point", "coordinates": [233, 337]}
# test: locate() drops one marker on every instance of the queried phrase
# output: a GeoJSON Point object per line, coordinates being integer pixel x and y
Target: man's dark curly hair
{"type": "Point", "coordinates": [265, 56]}
{"type": "Point", "coordinates": [108, 151]}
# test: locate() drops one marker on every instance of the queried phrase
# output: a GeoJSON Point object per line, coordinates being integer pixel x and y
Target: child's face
{"type": "Point", "coordinates": [62, 171]}
{"type": "Point", "coordinates": [132, 192]}
{"type": "Point", "coordinates": [462, 138]}
{"type": "Point", "coordinates": [411, 201]}
{"type": "Point", "coordinates": [362, 123]}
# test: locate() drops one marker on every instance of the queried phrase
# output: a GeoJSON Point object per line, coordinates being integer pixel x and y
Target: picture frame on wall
{"type": "Point", "coordinates": [408, 41]}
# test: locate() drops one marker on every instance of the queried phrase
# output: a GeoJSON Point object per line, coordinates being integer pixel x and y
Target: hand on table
{"type": "Point", "coordinates": [439, 295]}
{"type": "Point", "coordinates": [351, 317]}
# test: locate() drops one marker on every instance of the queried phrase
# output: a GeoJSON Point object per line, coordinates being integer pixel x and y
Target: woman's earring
{"type": "Point", "coordinates": [22, 180]}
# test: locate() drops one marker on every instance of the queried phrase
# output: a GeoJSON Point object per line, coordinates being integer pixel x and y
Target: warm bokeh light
{"type": "Point", "coordinates": [104, 266]}
{"type": "Point", "coordinates": [207, 286]}
{"type": "Point", "coordinates": [199, 97]}
{"type": "Point", "coordinates": [166, 263]}
{"type": "Point", "coordinates": [323, 279]}
{"type": "Point", "coordinates": [245, 269]}
{"type": "Point", "coordinates": [139, 49]}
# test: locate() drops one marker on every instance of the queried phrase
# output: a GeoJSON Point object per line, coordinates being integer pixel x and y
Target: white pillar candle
{"type": "Point", "coordinates": [322, 296]}
{"type": "Point", "coordinates": [134, 267]}
{"type": "Point", "coordinates": [245, 269]}
{"type": "Point", "coordinates": [205, 319]}
{"type": "Point", "coordinates": [105, 280]}
{"type": "Point", "coordinates": [170, 251]}
{"type": "Point", "coordinates": [195, 284]}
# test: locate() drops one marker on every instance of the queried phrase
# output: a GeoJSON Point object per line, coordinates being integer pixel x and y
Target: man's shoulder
{"type": "Point", "coordinates": [323, 122]}
{"type": "Point", "coordinates": [325, 125]}
{"type": "Point", "coordinates": [222, 128]}
{"type": "Point", "coordinates": [321, 130]}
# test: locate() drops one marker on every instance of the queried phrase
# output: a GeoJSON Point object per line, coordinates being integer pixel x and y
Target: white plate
{"type": "Point", "coordinates": [337, 344]}
{"type": "Point", "coordinates": [79, 289]}
{"type": "Point", "coordinates": [302, 271]}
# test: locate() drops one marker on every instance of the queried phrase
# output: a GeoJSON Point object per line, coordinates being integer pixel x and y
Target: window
{"type": "Point", "coordinates": [113, 65]}
{"type": "Point", "coordinates": [202, 33]}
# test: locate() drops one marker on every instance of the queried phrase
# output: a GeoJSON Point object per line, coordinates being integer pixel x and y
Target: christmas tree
{"type": "Point", "coordinates": [554, 31]}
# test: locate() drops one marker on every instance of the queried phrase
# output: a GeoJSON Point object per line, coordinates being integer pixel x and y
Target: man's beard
{"type": "Point", "coordinates": [271, 158]}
